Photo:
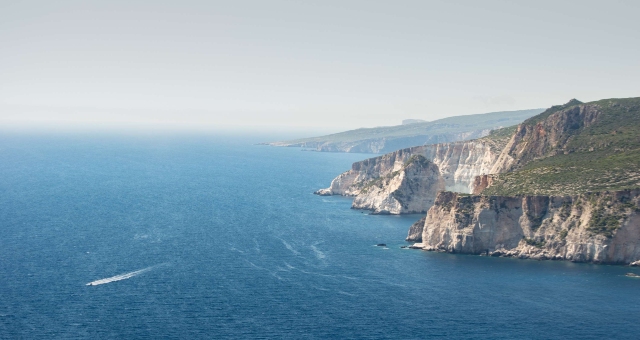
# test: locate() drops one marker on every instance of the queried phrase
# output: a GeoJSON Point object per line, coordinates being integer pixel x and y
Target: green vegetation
{"type": "Point", "coordinates": [571, 174]}
{"type": "Point", "coordinates": [598, 157]}
{"type": "Point", "coordinates": [538, 118]}
{"type": "Point", "coordinates": [498, 139]}
{"type": "Point", "coordinates": [465, 209]}
{"type": "Point", "coordinates": [536, 221]}
{"type": "Point", "coordinates": [565, 210]}
{"type": "Point", "coordinates": [532, 242]}
{"type": "Point", "coordinates": [377, 182]}
{"type": "Point", "coordinates": [564, 233]}
{"type": "Point", "coordinates": [418, 159]}
{"type": "Point", "coordinates": [503, 133]}
{"type": "Point", "coordinates": [608, 214]}
{"type": "Point", "coordinates": [604, 223]}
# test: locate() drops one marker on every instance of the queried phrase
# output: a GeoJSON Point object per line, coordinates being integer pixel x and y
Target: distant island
{"type": "Point", "coordinates": [412, 132]}
{"type": "Point", "coordinates": [562, 185]}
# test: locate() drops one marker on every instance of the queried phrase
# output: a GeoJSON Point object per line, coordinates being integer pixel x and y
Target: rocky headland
{"type": "Point", "coordinates": [562, 185]}
{"type": "Point", "coordinates": [376, 183]}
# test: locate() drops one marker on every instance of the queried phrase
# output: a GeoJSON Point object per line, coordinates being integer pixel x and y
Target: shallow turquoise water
{"type": "Point", "coordinates": [238, 247]}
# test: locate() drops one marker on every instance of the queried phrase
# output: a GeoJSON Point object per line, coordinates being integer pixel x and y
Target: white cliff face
{"type": "Point", "coordinates": [351, 182]}
{"type": "Point", "coordinates": [598, 227]}
{"type": "Point", "coordinates": [459, 163]}
{"type": "Point", "coordinates": [341, 185]}
{"type": "Point", "coordinates": [412, 189]}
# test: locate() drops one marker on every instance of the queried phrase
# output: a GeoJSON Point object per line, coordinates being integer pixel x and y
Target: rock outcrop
{"type": "Point", "coordinates": [457, 166]}
{"type": "Point", "coordinates": [350, 183]}
{"type": "Point", "coordinates": [562, 185]}
{"type": "Point", "coordinates": [415, 231]}
{"type": "Point", "coordinates": [412, 189]}
{"type": "Point", "coordinates": [541, 137]}
{"type": "Point", "coordinates": [593, 227]}
{"type": "Point", "coordinates": [480, 183]}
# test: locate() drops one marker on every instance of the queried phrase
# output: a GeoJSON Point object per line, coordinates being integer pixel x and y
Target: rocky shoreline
{"type": "Point", "coordinates": [448, 181]}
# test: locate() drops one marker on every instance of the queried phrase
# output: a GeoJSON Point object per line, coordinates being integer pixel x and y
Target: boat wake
{"type": "Point", "coordinates": [120, 277]}
{"type": "Point", "coordinates": [319, 254]}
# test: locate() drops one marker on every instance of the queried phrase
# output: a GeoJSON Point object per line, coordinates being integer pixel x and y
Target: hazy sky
{"type": "Point", "coordinates": [298, 64]}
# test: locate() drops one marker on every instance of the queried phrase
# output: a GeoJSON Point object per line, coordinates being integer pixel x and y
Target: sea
{"type": "Point", "coordinates": [205, 236]}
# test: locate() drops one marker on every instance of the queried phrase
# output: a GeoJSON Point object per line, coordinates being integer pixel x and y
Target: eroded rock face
{"type": "Point", "coordinates": [383, 185]}
{"type": "Point", "coordinates": [350, 183]}
{"type": "Point", "coordinates": [480, 183]}
{"type": "Point", "coordinates": [594, 227]}
{"type": "Point", "coordinates": [415, 231]}
{"type": "Point", "coordinates": [411, 189]}
{"type": "Point", "coordinates": [545, 138]}
{"type": "Point", "coordinates": [458, 163]}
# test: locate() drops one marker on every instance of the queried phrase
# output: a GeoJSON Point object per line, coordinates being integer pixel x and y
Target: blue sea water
{"type": "Point", "coordinates": [233, 244]}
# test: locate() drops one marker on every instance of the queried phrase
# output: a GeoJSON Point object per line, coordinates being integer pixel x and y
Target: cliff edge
{"type": "Point", "coordinates": [562, 185]}
{"type": "Point", "coordinates": [599, 227]}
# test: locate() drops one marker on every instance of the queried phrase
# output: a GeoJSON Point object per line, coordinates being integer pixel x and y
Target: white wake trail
{"type": "Point", "coordinates": [288, 246]}
{"type": "Point", "coordinates": [120, 277]}
{"type": "Point", "coordinates": [319, 254]}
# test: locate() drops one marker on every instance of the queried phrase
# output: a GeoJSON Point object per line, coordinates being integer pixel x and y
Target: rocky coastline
{"type": "Point", "coordinates": [602, 227]}
{"type": "Point", "coordinates": [455, 184]}
{"type": "Point", "coordinates": [386, 184]}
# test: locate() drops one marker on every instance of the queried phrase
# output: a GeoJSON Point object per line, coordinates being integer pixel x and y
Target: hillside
{"type": "Point", "coordinates": [391, 138]}
{"type": "Point", "coordinates": [574, 148]}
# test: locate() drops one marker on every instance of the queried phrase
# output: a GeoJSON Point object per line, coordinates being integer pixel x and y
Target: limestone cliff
{"type": "Point", "coordinates": [564, 184]}
{"type": "Point", "coordinates": [412, 189]}
{"type": "Point", "coordinates": [415, 231]}
{"type": "Point", "coordinates": [546, 135]}
{"type": "Point", "coordinates": [459, 163]}
{"type": "Point", "coordinates": [592, 227]}
{"type": "Point", "coordinates": [351, 182]}
{"type": "Point", "coordinates": [456, 164]}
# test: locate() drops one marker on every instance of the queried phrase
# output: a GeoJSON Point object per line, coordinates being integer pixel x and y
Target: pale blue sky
{"type": "Point", "coordinates": [330, 65]}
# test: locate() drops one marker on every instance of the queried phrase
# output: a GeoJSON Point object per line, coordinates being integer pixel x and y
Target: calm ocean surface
{"type": "Point", "coordinates": [233, 244]}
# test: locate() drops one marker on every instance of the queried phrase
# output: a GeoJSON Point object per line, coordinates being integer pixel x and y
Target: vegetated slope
{"type": "Point", "coordinates": [572, 149]}
{"type": "Point", "coordinates": [391, 138]}
{"type": "Point", "coordinates": [499, 138]}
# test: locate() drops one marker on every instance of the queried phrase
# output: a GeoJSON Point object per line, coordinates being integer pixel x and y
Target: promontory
{"type": "Point", "coordinates": [562, 185]}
